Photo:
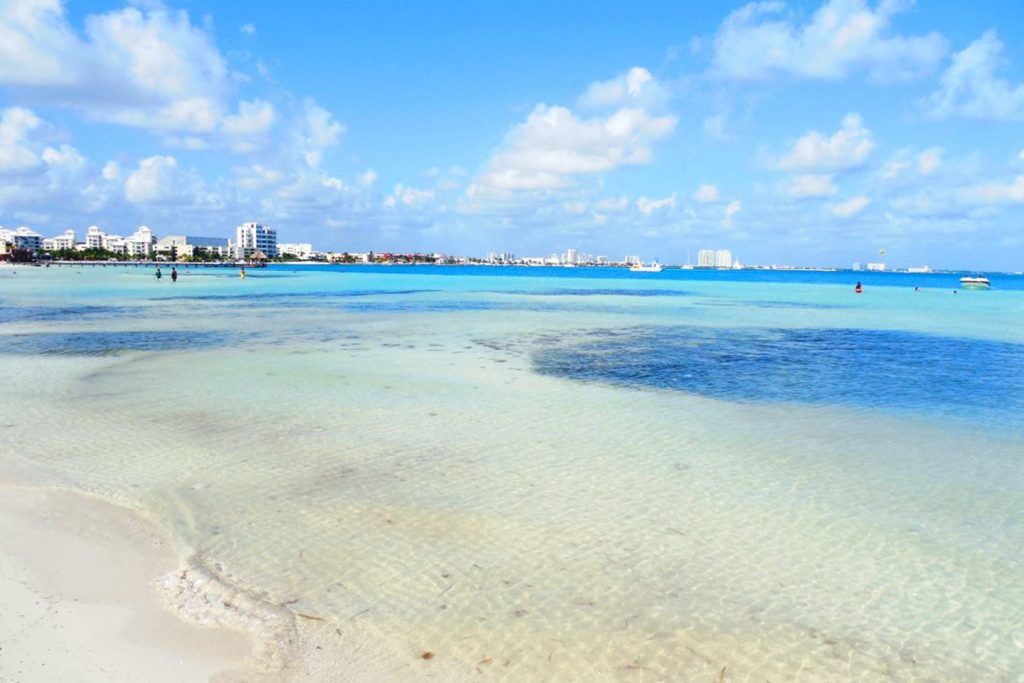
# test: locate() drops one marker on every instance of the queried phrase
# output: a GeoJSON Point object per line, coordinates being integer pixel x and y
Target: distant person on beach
{"type": "Point", "coordinates": [858, 289]}
{"type": "Point", "coordinates": [158, 275]}
{"type": "Point", "coordinates": [174, 274]}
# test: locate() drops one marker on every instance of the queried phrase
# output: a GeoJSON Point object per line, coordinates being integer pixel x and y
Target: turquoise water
{"type": "Point", "coordinates": [550, 474]}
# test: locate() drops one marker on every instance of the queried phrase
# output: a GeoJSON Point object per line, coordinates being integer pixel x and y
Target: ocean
{"type": "Point", "coordinates": [547, 474]}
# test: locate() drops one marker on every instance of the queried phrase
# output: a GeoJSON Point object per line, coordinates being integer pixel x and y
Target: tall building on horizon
{"type": "Point", "coordinates": [705, 258]}
{"type": "Point", "coordinates": [723, 258]}
{"type": "Point", "coordinates": [254, 236]}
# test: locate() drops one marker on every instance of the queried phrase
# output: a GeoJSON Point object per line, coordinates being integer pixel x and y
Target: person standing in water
{"type": "Point", "coordinates": [158, 274]}
{"type": "Point", "coordinates": [174, 274]}
{"type": "Point", "coordinates": [858, 289]}
{"type": "Point", "coordinates": [242, 274]}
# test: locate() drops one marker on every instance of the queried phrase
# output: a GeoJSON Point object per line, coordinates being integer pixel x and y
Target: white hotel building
{"type": "Point", "coordinates": [22, 238]}
{"type": "Point", "coordinates": [252, 237]}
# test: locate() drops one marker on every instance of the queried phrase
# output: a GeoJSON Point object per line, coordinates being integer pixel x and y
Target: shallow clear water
{"type": "Point", "coordinates": [547, 474]}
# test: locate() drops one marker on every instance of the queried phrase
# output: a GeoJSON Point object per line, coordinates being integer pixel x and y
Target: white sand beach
{"type": "Point", "coordinates": [78, 585]}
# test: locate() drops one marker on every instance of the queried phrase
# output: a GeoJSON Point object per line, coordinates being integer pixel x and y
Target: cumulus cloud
{"type": "Point", "coordinates": [849, 208]}
{"type": "Point", "coordinates": [731, 209]}
{"type": "Point", "coordinates": [16, 153]}
{"type": "Point", "coordinates": [842, 37]}
{"type": "Point", "coordinates": [970, 88]}
{"type": "Point", "coordinates": [144, 66]}
{"type": "Point", "coordinates": [647, 206]}
{"type": "Point", "coordinates": [159, 180]}
{"type": "Point", "coordinates": [846, 148]}
{"type": "Point", "coordinates": [408, 196]}
{"type": "Point", "coordinates": [706, 193]}
{"type": "Point", "coordinates": [316, 132]}
{"type": "Point", "coordinates": [257, 177]}
{"type": "Point", "coordinates": [553, 145]}
{"type": "Point", "coordinates": [997, 193]}
{"type": "Point", "coordinates": [368, 178]}
{"type": "Point", "coordinates": [812, 185]}
{"type": "Point", "coordinates": [253, 117]}
{"type": "Point", "coordinates": [636, 87]}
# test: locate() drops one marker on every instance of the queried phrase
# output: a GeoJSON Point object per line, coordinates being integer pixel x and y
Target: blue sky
{"type": "Point", "coordinates": [808, 133]}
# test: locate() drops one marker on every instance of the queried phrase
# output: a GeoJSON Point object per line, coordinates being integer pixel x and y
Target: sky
{"type": "Point", "coordinates": [798, 133]}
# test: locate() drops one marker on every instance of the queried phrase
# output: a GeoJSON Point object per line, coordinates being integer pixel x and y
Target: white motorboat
{"type": "Point", "coordinates": [654, 267]}
{"type": "Point", "coordinates": [977, 282]}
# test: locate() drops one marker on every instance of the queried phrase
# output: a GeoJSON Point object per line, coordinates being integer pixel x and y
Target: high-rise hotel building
{"type": "Point", "coordinates": [254, 236]}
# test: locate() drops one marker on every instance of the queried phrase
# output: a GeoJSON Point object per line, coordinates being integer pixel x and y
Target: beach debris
{"type": "Point", "coordinates": [721, 675]}
{"type": "Point", "coordinates": [426, 654]}
{"type": "Point", "coordinates": [482, 662]}
{"type": "Point", "coordinates": [311, 617]}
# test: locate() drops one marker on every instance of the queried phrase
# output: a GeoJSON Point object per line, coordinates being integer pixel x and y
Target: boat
{"type": "Point", "coordinates": [654, 267]}
{"type": "Point", "coordinates": [977, 282]}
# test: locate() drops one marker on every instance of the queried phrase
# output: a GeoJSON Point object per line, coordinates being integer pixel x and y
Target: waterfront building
{"type": "Point", "coordinates": [94, 237]}
{"type": "Point", "coordinates": [303, 251]}
{"type": "Point", "coordinates": [633, 261]}
{"type": "Point", "coordinates": [253, 237]}
{"type": "Point", "coordinates": [706, 258]}
{"type": "Point", "coordinates": [571, 256]}
{"type": "Point", "coordinates": [65, 241]}
{"type": "Point", "coordinates": [22, 238]}
{"type": "Point", "coordinates": [140, 243]}
{"type": "Point", "coordinates": [723, 258]}
{"type": "Point", "coordinates": [177, 246]}
{"type": "Point", "coordinates": [879, 267]}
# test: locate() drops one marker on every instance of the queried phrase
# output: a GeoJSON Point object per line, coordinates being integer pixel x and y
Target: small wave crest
{"type": "Point", "coordinates": [199, 593]}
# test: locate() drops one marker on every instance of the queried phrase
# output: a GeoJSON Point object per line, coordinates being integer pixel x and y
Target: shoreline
{"type": "Point", "coordinates": [78, 579]}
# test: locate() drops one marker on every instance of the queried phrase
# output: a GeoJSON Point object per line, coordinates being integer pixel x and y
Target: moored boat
{"type": "Point", "coordinates": [653, 267]}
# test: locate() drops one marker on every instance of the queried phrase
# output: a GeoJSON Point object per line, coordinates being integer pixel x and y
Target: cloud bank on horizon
{"type": "Point", "coordinates": [791, 132]}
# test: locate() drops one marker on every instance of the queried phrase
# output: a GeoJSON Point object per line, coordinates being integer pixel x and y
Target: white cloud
{"type": "Point", "coordinates": [851, 207]}
{"type": "Point", "coordinates": [253, 118]}
{"type": "Point", "coordinates": [408, 196]}
{"type": "Point", "coordinates": [145, 66]}
{"type": "Point", "coordinates": [647, 206]}
{"type": "Point", "coordinates": [111, 171]}
{"type": "Point", "coordinates": [612, 205]}
{"type": "Point", "coordinates": [553, 145]}
{"type": "Point", "coordinates": [248, 29]}
{"type": "Point", "coordinates": [16, 153]}
{"type": "Point", "coordinates": [1021, 155]}
{"type": "Point", "coordinates": [846, 148]}
{"type": "Point", "coordinates": [929, 160]}
{"type": "Point", "coordinates": [971, 89]}
{"type": "Point", "coordinates": [316, 132]}
{"type": "Point", "coordinates": [636, 87]}
{"type": "Point", "coordinates": [706, 193]}
{"type": "Point", "coordinates": [731, 209]}
{"type": "Point", "coordinates": [841, 38]}
{"type": "Point", "coordinates": [159, 180]}
{"type": "Point", "coordinates": [997, 193]}
{"type": "Point", "coordinates": [368, 178]}
{"type": "Point", "coordinates": [812, 185]}
{"type": "Point", "coordinates": [893, 168]}
{"type": "Point", "coordinates": [257, 177]}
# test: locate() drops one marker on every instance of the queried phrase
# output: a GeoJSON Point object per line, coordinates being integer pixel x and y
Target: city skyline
{"type": "Point", "coordinates": [806, 133]}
